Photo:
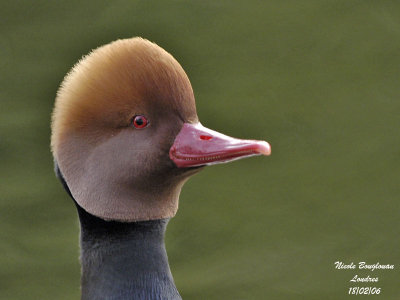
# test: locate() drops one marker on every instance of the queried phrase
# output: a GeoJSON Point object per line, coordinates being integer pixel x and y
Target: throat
{"type": "Point", "coordinates": [124, 260]}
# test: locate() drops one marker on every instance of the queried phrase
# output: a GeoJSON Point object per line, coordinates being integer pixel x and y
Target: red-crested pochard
{"type": "Point", "coordinates": [125, 138]}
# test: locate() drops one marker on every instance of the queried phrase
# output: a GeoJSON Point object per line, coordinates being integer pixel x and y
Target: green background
{"type": "Point", "coordinates": [318, 79]}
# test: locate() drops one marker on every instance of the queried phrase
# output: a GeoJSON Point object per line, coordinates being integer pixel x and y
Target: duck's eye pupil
{"type": "Point", "coordinates": [140, 121]}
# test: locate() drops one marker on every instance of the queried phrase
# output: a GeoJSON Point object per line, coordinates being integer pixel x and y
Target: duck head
{"type": "Point", "coordinates": [126, 136]}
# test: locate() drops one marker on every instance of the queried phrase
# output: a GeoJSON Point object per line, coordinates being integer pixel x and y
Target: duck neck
{"type": "Point", "coordinates": [124, 260]}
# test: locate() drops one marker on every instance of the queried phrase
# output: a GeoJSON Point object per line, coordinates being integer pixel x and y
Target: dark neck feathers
{"type": "Point", "coordinates": [123, 260]}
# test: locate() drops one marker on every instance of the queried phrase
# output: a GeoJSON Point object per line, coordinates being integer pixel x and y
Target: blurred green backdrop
{"type": "Point", "coordinates": [318, 79]}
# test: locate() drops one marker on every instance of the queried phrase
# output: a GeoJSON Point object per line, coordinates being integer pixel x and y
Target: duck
{"type": "Point", "coordinates": [125, 137]}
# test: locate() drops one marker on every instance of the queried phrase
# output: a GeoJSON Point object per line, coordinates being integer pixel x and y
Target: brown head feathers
{"type": "Point", "coordinates": [115, 171]}
{"type": "Point", "coordinates": [115, 81]}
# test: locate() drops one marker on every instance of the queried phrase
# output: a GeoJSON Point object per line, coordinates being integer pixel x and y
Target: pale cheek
{"type": "Point", "coordinates": [131, 159]}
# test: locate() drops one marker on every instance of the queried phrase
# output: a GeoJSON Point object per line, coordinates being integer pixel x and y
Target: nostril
{"type": "Point", "coordinates": [205, 137]}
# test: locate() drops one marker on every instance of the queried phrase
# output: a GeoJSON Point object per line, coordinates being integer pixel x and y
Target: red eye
{"type": "Point", "coordinates": [140, 121]}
